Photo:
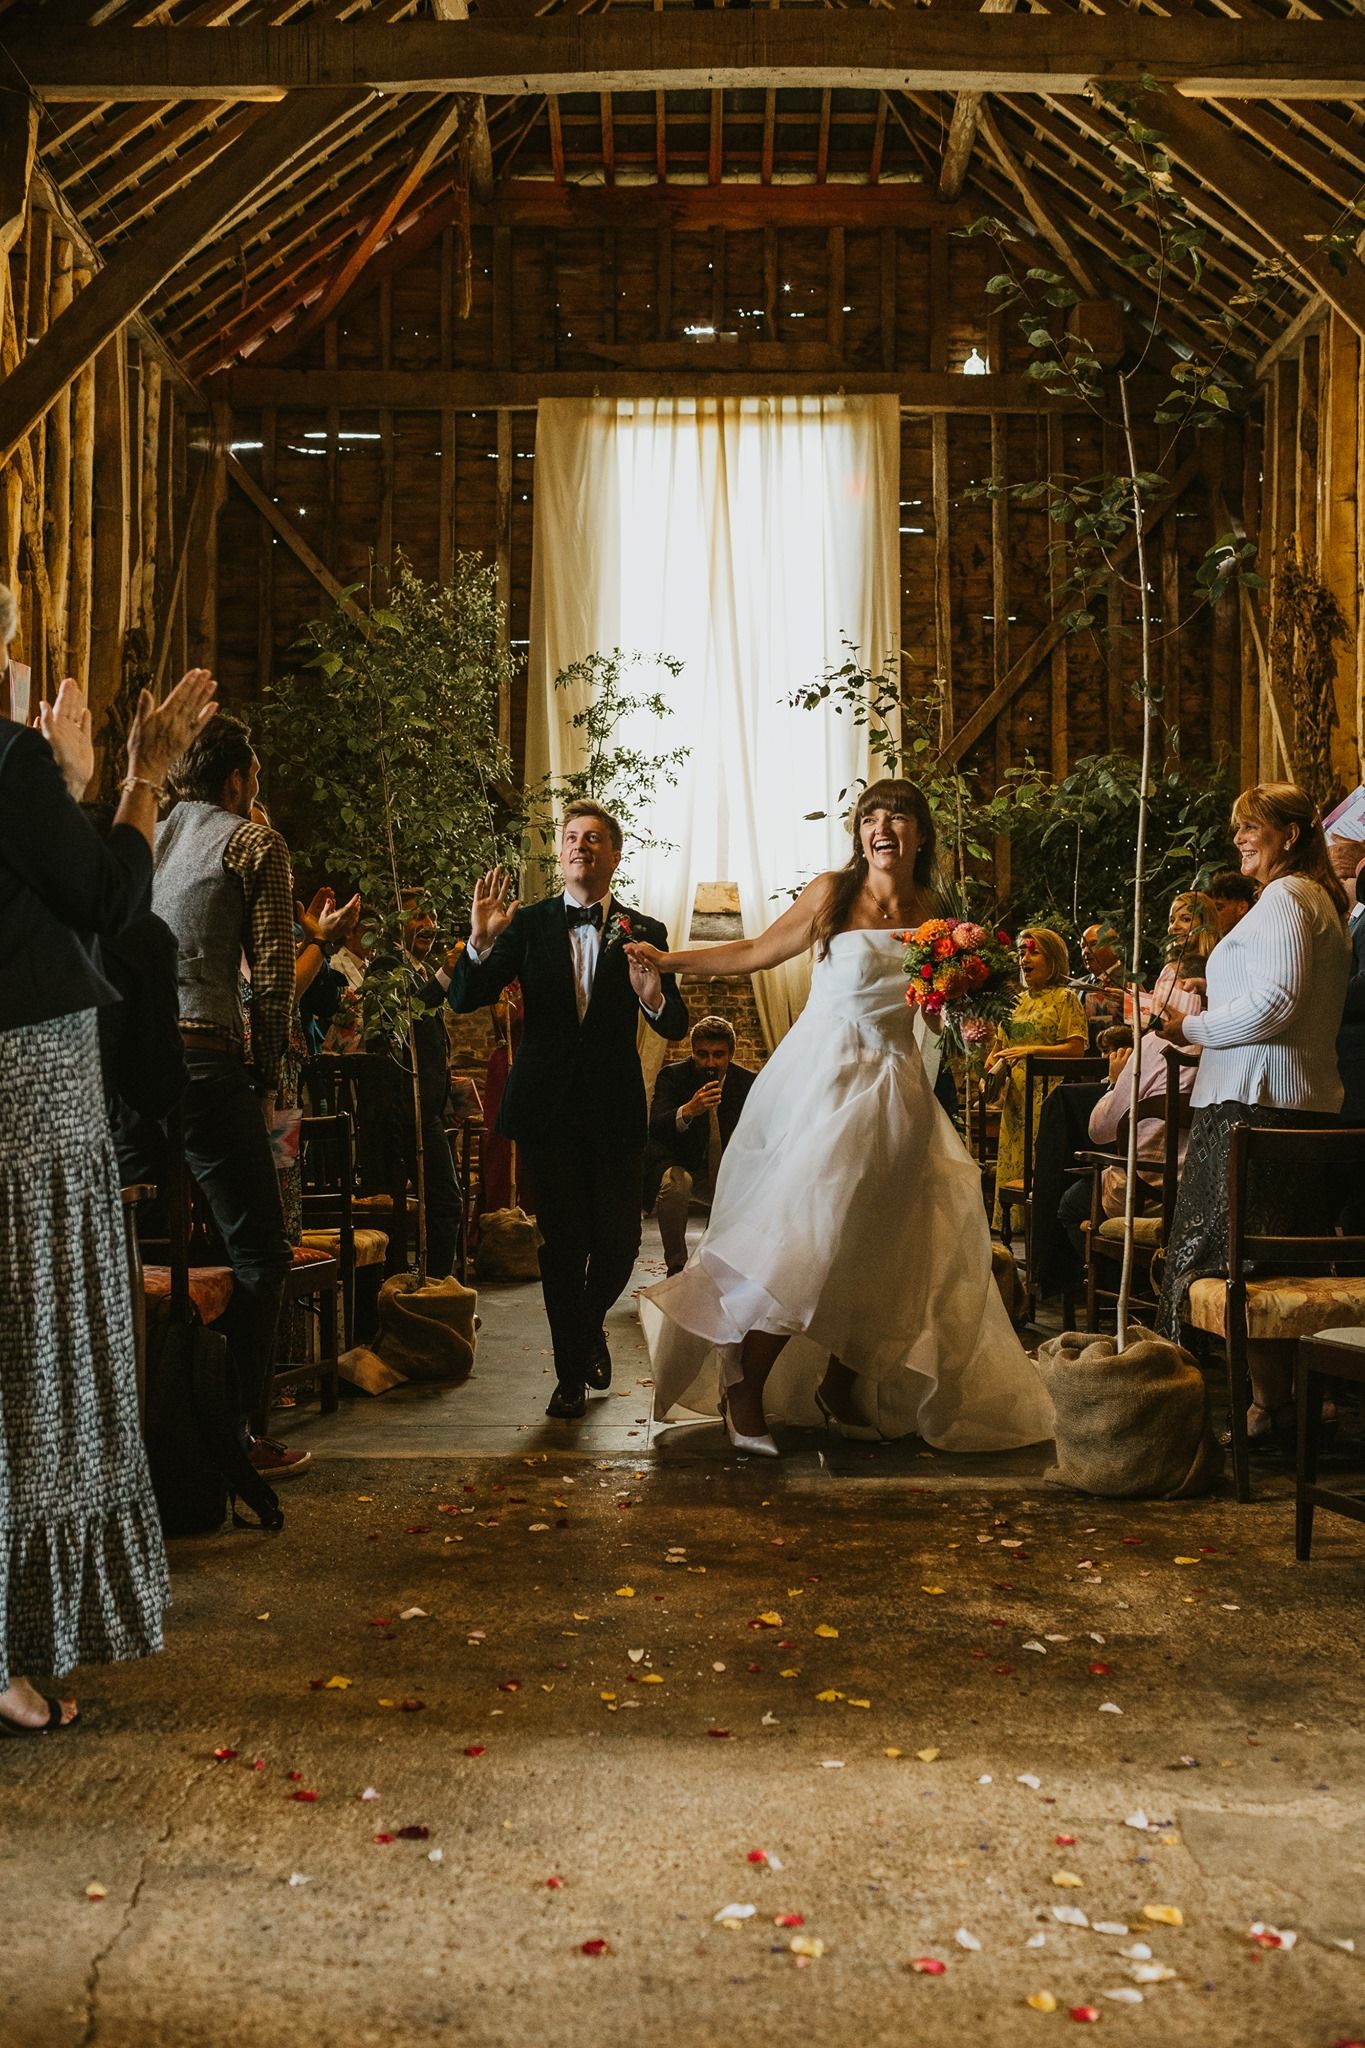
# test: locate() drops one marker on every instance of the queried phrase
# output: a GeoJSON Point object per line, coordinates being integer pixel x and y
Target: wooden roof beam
{"type": "Point", "coordinates": [441, 136]}
{"type": "Point", "coordinates": [637, 50]}
{"type": "Point", "coordinates": [1038, 212]}
{"type": "Point", "coordinates": [147, 258]}
{"type": "Point", "coordinates": [962, 128]}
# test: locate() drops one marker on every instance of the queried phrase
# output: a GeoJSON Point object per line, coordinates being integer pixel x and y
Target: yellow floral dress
{"type": "Point", "coordinates": [1048, 1017]}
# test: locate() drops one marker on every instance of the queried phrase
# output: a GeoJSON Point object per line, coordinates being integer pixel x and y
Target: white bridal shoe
{"type": "Point", "coordinates": [757, 1446]}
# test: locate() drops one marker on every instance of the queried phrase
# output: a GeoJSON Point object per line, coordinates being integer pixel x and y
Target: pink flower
{"type": "Point", "coordinates": [967, 937]}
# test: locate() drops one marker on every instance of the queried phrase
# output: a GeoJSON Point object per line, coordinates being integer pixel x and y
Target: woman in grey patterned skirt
{"type": "Point", "coordinates": [82, 1569]}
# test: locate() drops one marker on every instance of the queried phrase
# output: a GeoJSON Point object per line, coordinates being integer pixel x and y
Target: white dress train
{"type": "Point", "coordinates": [848, 1216]}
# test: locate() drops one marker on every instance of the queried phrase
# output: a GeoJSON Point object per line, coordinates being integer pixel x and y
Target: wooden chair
{"type": "Point", "coordinates": [1327, 1355]}
{"type": "Point", "coordinates": [1151, 1233]}
{"type": "Point", "coordinates": [471, 1188]}
{"type": "Point", "coordinates": [327, 1166]}
{"type": "Point", "coordinates": [1042, 1070]}
{"type": "Point", "coordinates": [1305, 1293]}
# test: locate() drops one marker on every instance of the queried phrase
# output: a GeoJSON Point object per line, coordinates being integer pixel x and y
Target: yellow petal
{"type": "Point", "coordinates": [336, 1685]}
{"type": "Point", "coordinates": [789, 1674]}
{"type": "Point", "coordinates": [931, 1589]}
{"type": "Point", "coordinates": [927, 1756]}
{"type": "Point", "coordinates": [1189, 1560]}
{"type": "Point", "coordinates": [1041, 2001]}
{"type": "Point", "coordinates": [1068, 1880]}
{"type": "Point", "coordinates": [606, 1695]}
{"type": "Point", "coordinates": [771, 1620]}
{"type": "Point", "coordinates": [860, 1703]}
{"type": "Point", "coordinates": [625, 1592]}
{"type": "Point", "coordinates": [824, 1629]}
{"type": "Point", "coordinates": [651, 1678]}
{"type": "Point", "coordinates": [96, 1891]}
{"type": "Point", "coordinates": [892, 1753]}
{"type": "Point", "coordinates": [1165, 1916]}
{"type": "Point", "coordinates": [807, 1945]}
{"type": "Point", "coordinates": [830, 1695]}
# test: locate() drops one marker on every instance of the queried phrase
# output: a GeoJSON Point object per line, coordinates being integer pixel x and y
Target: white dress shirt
{"type": "Point", "coordinates": [585, 944]}
{"type": "Point", "coordinates": [1276, 989]}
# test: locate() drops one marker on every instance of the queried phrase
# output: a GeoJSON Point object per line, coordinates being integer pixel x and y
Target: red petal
{"type": "Point", "coordinates": [304, 1798]}
{"type": "Point", "coordinates": [1098, 1670]}
{"type": "Point", "coordinates": [1003, 1670]}
{"type": "Point", "coordinates": [1065, 1841]}
{"type": "Point", "coordinates": [596, 1947]}
{"type": "Point", "coordinates": [383, 1838]}
{"type": "Point", "coordinates": [1087, 2013]}
{"type": "Point", "coordinates": [554, 1884]}
{"type": "Point", "coordinates": [757, 1856]}
{"type": "Point", "coordinates": [224, 1756]}
{"type": "Point", "coordinates": [789, 1920]}
{"type": "Point", "coordinates": [928, 1966]}
{"type": "Point", "coordinates": [294, 1777]}
{"type": "Point", "coordinates": [411, 1706]}
{"type": "Point", "coordinates": [418, 1529]}
{"type": "Point", "coordinates": [509, 1685]}
{"type": "Point", "coordinates": [415, 1833]}
{"type": "Point", "coordinates": [476, 1749]}
{"type": "Point", "coordinates": [720, 1732]}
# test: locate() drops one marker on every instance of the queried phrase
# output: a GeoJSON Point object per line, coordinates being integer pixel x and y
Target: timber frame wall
{"type": "Point", "coordinates": [1312, 486]}
{"type": "Point", "coordinates": [399, 425]}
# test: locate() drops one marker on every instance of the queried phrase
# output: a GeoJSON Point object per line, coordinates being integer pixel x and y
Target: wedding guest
{"type": "Point", "coordinates": [1232, 896]}
{"type": "Point", "coordinates": [85, 1573]}
{"type": "Point", "coordinates": [1101, 991]}
{"type": "Point", "coordinates": [225, 887]}
{"type": "Point", "coordinates": [697, 1103]}
{"type": "Point", "coordinates": [1105, 1118]}
{"type": "Point", "coordinates": [1351, 1036]}
{"type": "Point", "coordinates": [1276, 989]}
{"type": "Point", "coordinates": [1047, 1017]}
{"type": "Point", "coordinates": [1191, 935]}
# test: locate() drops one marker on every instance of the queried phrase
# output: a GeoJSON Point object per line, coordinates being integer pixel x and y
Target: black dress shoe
{"type": "Point", "coordinates": [568, 1404]}
{"type": "Point", "coordinates": [599, 1364]}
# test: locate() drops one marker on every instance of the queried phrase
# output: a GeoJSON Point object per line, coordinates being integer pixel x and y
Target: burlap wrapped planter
{"type": "Point", "coordinates": [426, 1332]}
{"type": "Point", "coordinates": [1131, 1425]}
{"type": "Point", "coordinates": [509, 1246]}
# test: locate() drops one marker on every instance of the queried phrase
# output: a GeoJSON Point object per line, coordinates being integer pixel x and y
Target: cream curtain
{"type": "Point", "coordinates": [746, 537]}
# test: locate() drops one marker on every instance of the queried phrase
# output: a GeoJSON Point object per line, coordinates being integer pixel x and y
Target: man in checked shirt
{"type": "Point", "coordinates": [224, 886]}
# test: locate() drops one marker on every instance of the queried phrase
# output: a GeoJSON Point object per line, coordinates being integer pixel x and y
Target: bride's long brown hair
{"type": "Point", "coordinates": [892, 794]}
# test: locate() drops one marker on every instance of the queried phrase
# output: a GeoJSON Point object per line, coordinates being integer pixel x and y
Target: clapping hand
{"type": "Point", "coordinates": [326, 921]}
{"type": "Point", "coordinates": [65, 726]}
{"type": "Point", "coordinates": [492, 910]}
{"type": "Point", "coordinates": [161, 732]}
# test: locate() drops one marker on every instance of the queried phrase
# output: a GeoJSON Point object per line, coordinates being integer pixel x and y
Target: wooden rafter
{"type": "Point", "coordinates": [961, 138]}
{"type": "Point", "coordinates": [147, 258]}
{"type": "Point", "coordinates": [1044, 220]}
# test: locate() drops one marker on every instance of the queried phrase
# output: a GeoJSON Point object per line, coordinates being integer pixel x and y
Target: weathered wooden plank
{"type": "Point", "coordinates": [491, 390]}
{"type": "Point", "coordinates": [686, 51]}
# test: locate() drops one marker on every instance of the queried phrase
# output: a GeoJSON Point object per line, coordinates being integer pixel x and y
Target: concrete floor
{"type": "Point", "coordinates": [640, 1672]}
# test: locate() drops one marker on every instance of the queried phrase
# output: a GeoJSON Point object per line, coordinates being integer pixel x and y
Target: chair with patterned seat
{"type": "Point", "coordinates": [1279, 1288]}
{"type": "Point", "coordinates": [328, 1200]}
{"type": "Point", "coordinates": [1043, 1071]}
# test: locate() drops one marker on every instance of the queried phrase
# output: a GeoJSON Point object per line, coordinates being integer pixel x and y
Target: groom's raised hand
{"type": "Point", "coordinates": [645, 976]}
{"type": "Point", "coordinates": [491, 911]}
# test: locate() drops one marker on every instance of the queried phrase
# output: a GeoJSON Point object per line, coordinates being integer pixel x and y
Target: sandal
{"type": "Point", "coordinates": [1269, 1430]}
{"type": "Point", "coordinates": [53, 1725]}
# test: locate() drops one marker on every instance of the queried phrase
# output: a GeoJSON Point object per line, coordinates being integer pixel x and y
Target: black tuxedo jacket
{"type": "Point", "coordinates": [668, 1146]}
{"type": "Point", "coordinates": [570, 1078]}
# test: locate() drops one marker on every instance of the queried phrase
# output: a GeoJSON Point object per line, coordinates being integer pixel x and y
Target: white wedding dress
{"type": "Point", "coordinates": [848, 1215]}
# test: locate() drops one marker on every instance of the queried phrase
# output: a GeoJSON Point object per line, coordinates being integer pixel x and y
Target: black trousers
{"type": "Point", "coordinates": [227, 1149]}
{"type": "Point", "coordinates": [445, 1210]}
{"type": "Point", "coordinates": [588, 1210]}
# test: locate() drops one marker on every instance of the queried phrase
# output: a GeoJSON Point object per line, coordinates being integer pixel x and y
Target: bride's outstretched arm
{"type": "Point", "coordinates": [785, 937]}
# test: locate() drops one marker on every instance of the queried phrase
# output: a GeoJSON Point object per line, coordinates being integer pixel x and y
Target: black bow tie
{"type": "Point", "coordinates": [584, 913]}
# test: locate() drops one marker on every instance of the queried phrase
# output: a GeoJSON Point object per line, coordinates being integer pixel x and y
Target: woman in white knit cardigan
{"type": "Point", "coordinates": [1276, 987]}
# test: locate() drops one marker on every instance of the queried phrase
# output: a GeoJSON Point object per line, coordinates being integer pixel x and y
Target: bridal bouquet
{"type": "Point", "coordinates": [960, 972]}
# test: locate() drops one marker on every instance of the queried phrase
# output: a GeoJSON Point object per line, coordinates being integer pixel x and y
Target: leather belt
{"type": "Point", "coordinates": [211, 1038]}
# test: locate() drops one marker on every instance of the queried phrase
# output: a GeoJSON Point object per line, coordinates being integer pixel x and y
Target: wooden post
{"type": "Point", "coordinates": [1254, 453]}
{"type": "Point", "coordinates": [609, 286]}
{"type": "Point", "coordinates": [502, 298]}
{"type": "Point", "coordinates": [201, 596]}
{"type": "Point", "coordinates": [386, 453]}
{"type": "Point", "coordinates": [445, 549]}
{"type": "Point", "coordinates": [943, 588]}
{"type": "Point", "coordinates": [718, 278]}
{"type": "Point", "coordinates": [1000, 631]}
{"type": "Point", "coordinates": [12, 506]}
{"type": "Point", "coordinates": [771, 282]}
{"type": "Point", "coordinates": [939, 288]}
{"type": "Point", "coordinates": [110, 492]}
{"type": "Point", "coordinates": [82, 515]}
{"type": "Point", "coordinates": [147, 495]}
{"type": "Point", "coordinates": [57, 473]}
{"type": "Point", "coordinates": [663, 259]}
{"type": "Point", "coordinates": [504, 562]}
{"type": "Point", "coordinates": [1058, 697]}
{"type": "Point", "coordinates": [265, 594]}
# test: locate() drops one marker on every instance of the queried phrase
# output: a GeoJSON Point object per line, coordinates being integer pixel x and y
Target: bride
{"type": "Point", "coordinates": [847, 1228]}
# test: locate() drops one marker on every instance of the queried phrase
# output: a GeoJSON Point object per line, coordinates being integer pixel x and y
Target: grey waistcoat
{"type": "Point", "coordinates": [204, 906]}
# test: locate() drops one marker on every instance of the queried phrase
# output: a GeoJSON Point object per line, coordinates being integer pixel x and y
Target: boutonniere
{"type": "Point", "coordinates": [617, 930]}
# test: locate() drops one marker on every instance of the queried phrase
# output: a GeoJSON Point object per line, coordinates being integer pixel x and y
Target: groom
{"type": "Point", "coordinates": [575, 1098]}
